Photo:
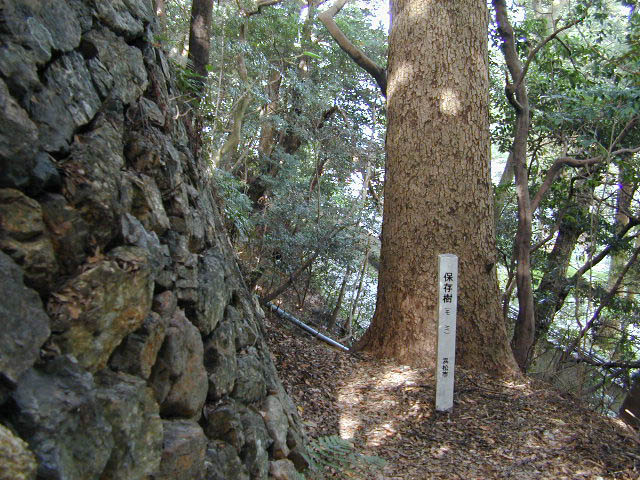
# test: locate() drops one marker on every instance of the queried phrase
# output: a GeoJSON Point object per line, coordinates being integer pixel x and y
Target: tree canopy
{"type": "Point", "coordinates": [295, 132]}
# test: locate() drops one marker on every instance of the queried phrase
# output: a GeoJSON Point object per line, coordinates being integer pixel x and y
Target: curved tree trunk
{"type": "Point", "coordinates": [524, 331]}
{"type": "Point", "coordinates": [438, 190]}
{"type": "Point", "coordinates": [552, 290]}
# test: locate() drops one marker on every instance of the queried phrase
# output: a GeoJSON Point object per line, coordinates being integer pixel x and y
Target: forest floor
{"type": "Point", "coordinates": [496, 430]}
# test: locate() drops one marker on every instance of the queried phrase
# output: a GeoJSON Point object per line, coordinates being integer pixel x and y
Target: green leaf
{"type": "Point", "coordinates": [312, 55]}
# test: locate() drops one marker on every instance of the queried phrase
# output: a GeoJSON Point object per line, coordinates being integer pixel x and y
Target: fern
{"type": "Point", "coordinates": [334, 453]}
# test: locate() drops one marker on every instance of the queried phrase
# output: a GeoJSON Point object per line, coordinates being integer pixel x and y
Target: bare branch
{"type": "Point", "coordinates": [633, 221]}
{"type": "Point", "coordinates": [259, 4]}
{"type": "Point", "coordinates": [626, 150]}
{"type": "Point", "coordinates": [309, 261]}
{"type": "Point", "coordinates": [289, 281]}
{"type": "Point", "coordinates": [357, 55]}
{"type": "Point", "coordinates": [584, 359]}
{"type": "Point", "coordinates": [605, 301]}
{"type": "Point", "coordinates": [549, 237]}
{"type": "Point", "coordinates": [560, 162]}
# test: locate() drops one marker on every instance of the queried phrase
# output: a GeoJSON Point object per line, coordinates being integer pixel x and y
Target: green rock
{"type": "Point", "coordinates": [222, 462]}
{"type": "Point", "coordinates": [96, 310]}
{"type": "Point", "coordinates": [178, 377]}
{"type": "Point", "coordinates": [23, 237]}
{"type": "Point", "coordinates": [251, 385]}
{"type": "Point", "coordinates": [220, 360]}
{"type": "Point", "coordinates": [133, 414]}
{"type": "Point", "coordinates": [184, 451]}
{"type": "Point", "coordinates": [17, 462]}
{"type": "Point", "coordinates": [254, 454]}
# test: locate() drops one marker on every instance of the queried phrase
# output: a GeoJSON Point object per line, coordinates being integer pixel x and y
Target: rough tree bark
{"type": "Point", "coordinates": [160, 8]}
{"type": "Point", "coordinates": [437, 189]}
{"type": "Point", "coordinates": [200, 37]}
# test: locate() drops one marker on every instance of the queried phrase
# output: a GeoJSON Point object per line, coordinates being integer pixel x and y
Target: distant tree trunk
{"type": "Point", "coordinates": [200, 38]}
{"type": "Point", "coordinates": [611, 324]}
{"type": "Point", "coordinates": [551, 292]}
{"type": "Point", "coordinates": [224, 156]}
{"type": "Point", "coordinates": [161, 14]}
{"type": "Point", "coordinates": [438, 190]}
{"type": "Point", "coordinates": [356, 300]}
{"type": "Point", "coordinates": [336, 311]}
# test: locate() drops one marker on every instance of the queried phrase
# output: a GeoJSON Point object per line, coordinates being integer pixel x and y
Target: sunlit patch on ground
{"type": "Point", "coordinates": [348, 426]}
{"type": "Point", "coordinates": [498, 429]}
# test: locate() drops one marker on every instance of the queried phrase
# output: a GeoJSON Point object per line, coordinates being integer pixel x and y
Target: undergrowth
{"type": "Point", "coordinates": [331, 454]}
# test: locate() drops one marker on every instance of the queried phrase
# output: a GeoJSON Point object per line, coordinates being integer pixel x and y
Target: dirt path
{"type": "Point", "coordinates": [498, 429]}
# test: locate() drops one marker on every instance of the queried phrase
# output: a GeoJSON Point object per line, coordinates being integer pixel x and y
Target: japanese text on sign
{"type": "Point", "coordinates": [447, 305]}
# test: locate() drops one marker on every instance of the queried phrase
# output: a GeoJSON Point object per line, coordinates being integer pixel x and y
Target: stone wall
{"type": "Point", "coordinates": [129, 346]}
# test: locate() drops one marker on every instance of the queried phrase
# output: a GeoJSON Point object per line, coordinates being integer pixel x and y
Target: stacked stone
{"type": "Point", "coordinates": [129, 346]}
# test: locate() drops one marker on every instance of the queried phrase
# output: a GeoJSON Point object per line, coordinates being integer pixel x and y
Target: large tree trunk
{"type": "Point", "coordinates": [438, 190]}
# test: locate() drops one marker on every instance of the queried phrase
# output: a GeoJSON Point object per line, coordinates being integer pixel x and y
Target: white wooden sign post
{"type": "Point", "coordinates": [447, 305]}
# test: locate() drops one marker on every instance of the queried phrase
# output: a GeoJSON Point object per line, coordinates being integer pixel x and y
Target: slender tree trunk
{"type": "Point", "coordinates": [224, 157]}
{"type": "Point", "coordinates": [356, 300]}
{"type": "Point", "coordinates": [550, 294]}
{"type": "Point", "coordinates": [611, 324]}
{"type": "Point", "coordinates": [336, 311]}
{"type": "Point", "coordinates": [438, 191]}
{"type": "Point", "coordinates": [524, 331]}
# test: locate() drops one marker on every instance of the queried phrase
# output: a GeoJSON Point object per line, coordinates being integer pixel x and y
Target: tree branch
{"type": "Point", "coordinates": [552, 173]}
{"type": "Point", "coordinates": [533, 52]}
{"type": "Point", "coordinates": [289, 281]}
{"type": "Point", "coordinates": [293, 276]}
{"type": "Point", "coordinates": [605, 301]}
{"type": "Point", "coordinates": [633, 221]}
{"type": "Point", "coordinates": [583, 358]}
{"type": "Point", "coordinates": [630, 124]}
{"type": "Point", "coordinates": [259, 4]}
{"type": "Point", "coordinates": [357, 55]}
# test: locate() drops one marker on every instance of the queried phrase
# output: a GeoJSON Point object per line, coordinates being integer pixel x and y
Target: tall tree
{"type": "Point", "coordinates": [200, 37]}
{"type": "Point", "coordinates": [437, 186]}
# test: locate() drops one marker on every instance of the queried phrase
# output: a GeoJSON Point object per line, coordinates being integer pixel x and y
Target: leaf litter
{"type": "Point", "coordinates": [498, 429]}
